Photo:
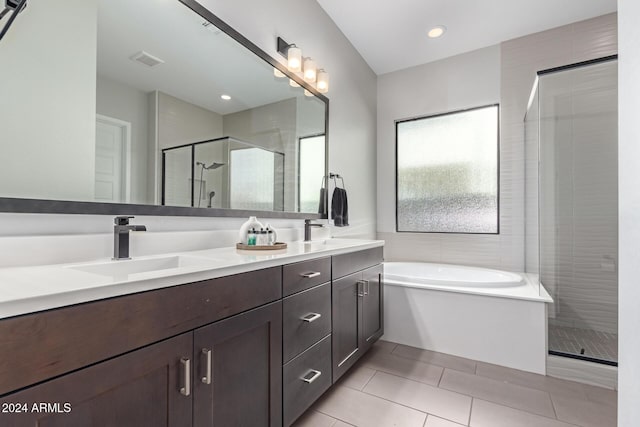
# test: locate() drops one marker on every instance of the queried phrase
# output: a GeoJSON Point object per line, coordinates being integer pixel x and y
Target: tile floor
{"type": "Point", "coordinates": [596, 344]}
{"type": "Point", "coordinates": [396, 385]}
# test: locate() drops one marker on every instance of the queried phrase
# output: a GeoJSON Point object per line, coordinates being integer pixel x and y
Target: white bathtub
{"type": "Point", "coordinates": [488, 315]}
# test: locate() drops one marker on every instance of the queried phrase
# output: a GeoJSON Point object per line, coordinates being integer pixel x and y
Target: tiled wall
{"type": "Point", "coordinates": [519, 60]}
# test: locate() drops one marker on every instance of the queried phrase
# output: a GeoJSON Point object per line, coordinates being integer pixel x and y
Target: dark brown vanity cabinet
{"type": "Point", "coordinates": [147, 387]}
{"type": "Point", "coordinates": [251, 349]}
{"type": "Point", "coordinates": [357, 307]}
{"type": "Point", "coordinates": [237, 374]}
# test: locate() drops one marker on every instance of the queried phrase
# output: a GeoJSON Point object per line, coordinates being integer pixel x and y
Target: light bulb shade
{"type": "Point", "coordinates": [294, 59]}
{"type": "Point", "coordinates": [278, 73]}
{"type": "Point", "coordinates": [293, 83]}
{"type": "Point", "coordinates": [307, 93]}
{"type": "Point", "coordinates": [322, 82]}
{"type": "Point", "coordinates": [309, 70]}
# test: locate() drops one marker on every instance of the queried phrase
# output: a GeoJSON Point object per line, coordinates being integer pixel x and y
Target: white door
{"type": "Point", "coordinates": [111, 181]}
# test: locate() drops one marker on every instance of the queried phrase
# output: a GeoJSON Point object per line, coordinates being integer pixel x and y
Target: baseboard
{"type": "Point", "coordinates": [584, 372]}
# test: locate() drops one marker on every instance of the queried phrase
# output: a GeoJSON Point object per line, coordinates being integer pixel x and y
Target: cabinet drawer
{"type": "Point", "coordinates": [304, 275]}
{"type": "Point", "coordinates": [346, 264]}
{"type": "Point", "coordinates": [305, 378]}
{"type": "Point", "coordinates": [298, 334]}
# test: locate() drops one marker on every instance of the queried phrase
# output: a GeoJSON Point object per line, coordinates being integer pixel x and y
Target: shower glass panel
{"type": "Point", "coordinates": [575, 109]}
{"type": "Point", "coordinates": [177, 177]}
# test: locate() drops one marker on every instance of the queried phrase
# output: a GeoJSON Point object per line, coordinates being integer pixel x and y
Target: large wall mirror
{"type": "Point", "coordinates": [152, 107]}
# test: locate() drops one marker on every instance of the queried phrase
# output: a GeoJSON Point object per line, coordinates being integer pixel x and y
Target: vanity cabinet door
{"type": "Point", "coordinates": [238, 370]}
{"type": "Point", "coordinates": [372, 303]}
{"type": "Point", "coordinates": [346, 300]}
{"type": "Point", "coordinates": [141, 388]}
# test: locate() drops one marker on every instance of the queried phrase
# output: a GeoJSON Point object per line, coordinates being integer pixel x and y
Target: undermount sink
{"type": "Point", "coordinates": [136, 266]}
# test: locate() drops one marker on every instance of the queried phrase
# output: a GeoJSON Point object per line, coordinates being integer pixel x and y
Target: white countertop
{"type": "Point", "coordinates": [26, 290]}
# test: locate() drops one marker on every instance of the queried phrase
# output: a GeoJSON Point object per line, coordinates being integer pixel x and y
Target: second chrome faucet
{"type": "Point", "coordinates": [307, 229]}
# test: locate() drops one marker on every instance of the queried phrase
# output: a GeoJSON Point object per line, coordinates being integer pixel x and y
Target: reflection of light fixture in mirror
{"type": "Point", "coordinates": [309, 70]}
{"type": "Point", "coordinates": [294, 83]}
{"type": "Point", "coordinates": [307, 93]}
{"type": "Point", "coordinates": [322, 84]}
{"type": "Point", "coordinates": [278, 73]}
{"type": "Point", "coordinates": [225, 97]}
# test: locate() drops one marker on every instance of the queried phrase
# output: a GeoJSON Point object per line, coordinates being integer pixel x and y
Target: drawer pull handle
{"type": "Point", "coordinates": [314, 376]}
{"type": "Point", "coordinates": [310, 274]}
{"type": "Point", "coordinates": [185, 390]}
{"type": "Point", "coordinates": [207, 376]}
{"type": "Point", "coordinates": [311, 317]}
{"type": "Point", "coordinates": [360, 288]}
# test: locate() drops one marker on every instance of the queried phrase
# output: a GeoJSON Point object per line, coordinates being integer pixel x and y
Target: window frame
{"type": "Point", "coordinates": [464, 110]}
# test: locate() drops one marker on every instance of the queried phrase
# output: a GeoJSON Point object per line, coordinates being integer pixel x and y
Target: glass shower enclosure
{"type": "Point", "coordinates": [223, 173]}
{"type": "Point", "coordinates": [571, 145]}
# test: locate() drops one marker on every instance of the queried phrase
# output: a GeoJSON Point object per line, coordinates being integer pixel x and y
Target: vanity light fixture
{"type": "Point", "coordinates": [309, 70]}
{"type": "Point", "coordinates": [225, 97]}
{"type": "Point", "coordinates": [307, 93]}
{"type": "Point", "coordinates": [322, 83]}
{"type": "Point", "coordinates": [437, 31]}
{"type": "Point", "coordinates": [277, 73]}
{"type": "Point", "coordinates": [296, 63]}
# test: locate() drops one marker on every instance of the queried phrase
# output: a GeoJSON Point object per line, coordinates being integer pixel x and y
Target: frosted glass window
{"type": "Point", "coordinates": [252, 179]}
{"type": "Point", "coordinates": [311, 172]}
{"type": "Point", "coordinates": [447, 173]}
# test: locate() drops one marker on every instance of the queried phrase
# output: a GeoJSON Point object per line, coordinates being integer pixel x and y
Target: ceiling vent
{"type": "Point", "coordinates": [209, 26]}
{"type": "Point", "coordinates": [147, 59]}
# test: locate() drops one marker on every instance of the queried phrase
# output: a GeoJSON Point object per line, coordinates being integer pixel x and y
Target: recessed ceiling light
{"type": "Point", "coordinates": [437, 31]}
{"type": "Point", "coordinates": [225, 97]}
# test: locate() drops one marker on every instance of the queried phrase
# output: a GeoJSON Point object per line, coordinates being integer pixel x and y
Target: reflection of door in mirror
{"type": "Point", "coordinates": [311, 151]}
{"type": "Point", "coordinates": [112, 160]}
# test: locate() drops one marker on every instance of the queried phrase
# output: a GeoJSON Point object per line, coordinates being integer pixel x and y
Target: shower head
{"type": "Point", "coordinates": [212, 166]}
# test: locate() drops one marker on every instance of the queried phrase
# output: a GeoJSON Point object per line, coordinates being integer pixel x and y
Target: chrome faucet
{"type": "Point", "coordinates": [121, 231]}
{"type": "Point", "coordinates": [307, 229]}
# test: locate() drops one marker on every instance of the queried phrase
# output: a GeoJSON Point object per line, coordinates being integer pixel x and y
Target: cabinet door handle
{"type": "Point", "coordinates": [311, 317]}
{"type": "Point", "coordinates": [366, 287]}
{"type": "Point", "coordinates": [311, 274]}
{"type": "Point", "coordinates": [207, 376]}
{"type": "Point", "coordinates": [360, 288]}
{"type": "Point", "coordinates": [185, 390]}
{"type": "Point", "coordinates": [311, 376]}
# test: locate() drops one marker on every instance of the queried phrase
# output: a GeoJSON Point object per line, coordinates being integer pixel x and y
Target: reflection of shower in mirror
{"type": "Point", "coordinates": [212, 166]}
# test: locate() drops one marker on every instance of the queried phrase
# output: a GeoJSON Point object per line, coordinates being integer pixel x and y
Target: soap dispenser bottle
{"type": "Point", "coordinates": [252, 222]}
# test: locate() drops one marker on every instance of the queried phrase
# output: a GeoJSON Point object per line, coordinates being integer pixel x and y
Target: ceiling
{"type": "Point", "coordinates": [392, 35]}
{"type": "Point", "coordinates": [200, 65]}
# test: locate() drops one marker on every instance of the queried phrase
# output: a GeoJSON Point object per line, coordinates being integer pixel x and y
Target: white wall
{"type": "Point", "coordinates": [629, 213]}
{"type": "Point", "coordinates": [119, 101]}
{"type": "Point", "coordinates": [352, 110]}
{"type": "Point", "coordinates": [468, 80]}
{"type": "Point", "coordinates": [58, 121]}
{"type": "Point", "coordinates": [180, 122]}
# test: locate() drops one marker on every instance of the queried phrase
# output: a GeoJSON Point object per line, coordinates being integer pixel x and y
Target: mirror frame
{"type": "Point", "coordinates": [19, 205]}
